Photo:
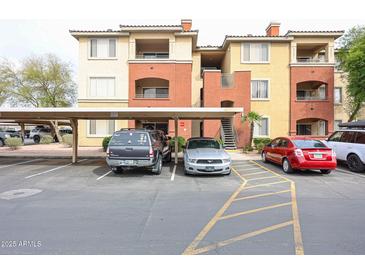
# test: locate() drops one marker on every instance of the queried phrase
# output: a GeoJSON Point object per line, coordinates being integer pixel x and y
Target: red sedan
{"type": "Point", "coordinates": [300, 153]}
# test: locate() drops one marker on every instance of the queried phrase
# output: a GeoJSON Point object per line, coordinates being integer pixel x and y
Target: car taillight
{"type": "Point", "coordinates": [107, 151]}
{"type": "Point", "coordinates": [151, 152]}
{"type": "Point", "coordinates": [298, 152]}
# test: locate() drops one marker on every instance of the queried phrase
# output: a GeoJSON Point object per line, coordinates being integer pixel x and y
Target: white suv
{"type": "Point", "coordinates": [349, 145]}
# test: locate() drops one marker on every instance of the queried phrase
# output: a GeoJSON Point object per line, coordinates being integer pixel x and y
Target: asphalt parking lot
{"type": "Point", "coordinates": [49, 206]}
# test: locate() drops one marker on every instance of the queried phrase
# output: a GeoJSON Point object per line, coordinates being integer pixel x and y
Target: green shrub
{"type": "Point", "coordinates": [46, 139]}
{"type": "Point", "coordinates": [67, 139]}
{"type": "Point", "coordinates": [14, 142]}
{"type": "Point", "coordinates": [247, 148]}
{"type": "Point", "coordinates": [180, 142]}
{"type": "Point", "coordinates": [220, 141]}
{"type": "Point", "coordinates": [260, 147]}
{"type": "Point", "coordinates": [106, 141]}
{"type": "Point", "coordinates": [262, 140]}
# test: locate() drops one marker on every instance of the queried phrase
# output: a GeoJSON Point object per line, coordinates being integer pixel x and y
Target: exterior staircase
{"type": "Point", "coordinates": [227, 134]}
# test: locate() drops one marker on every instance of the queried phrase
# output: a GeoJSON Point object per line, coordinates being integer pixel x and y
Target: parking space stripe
{"type": "Point", "coordinates": [33, 160]}
{"type": "Point", "coordinates": [254, 173]}
{"type": "Point", "coordinates": [53, 169]}
{"type": "Point", "coordinates": [260, 178]}
{"type": "Point", "coordinates": [240, 238]}
{"type": "Point", "coordinates": [239, 169]}
{"type": "Point", "coordinates": [262, 195]}
{"type": "Point", "coordinates": [102, 176]}
{"type": "Point", "coordinates": [173, 173]}
{"type": "Point", "coordinates": [253, 211]}
{"type": "Point", "coordinates": [267, 184]}
{"type": "Point", "coordinates": [349, 172]}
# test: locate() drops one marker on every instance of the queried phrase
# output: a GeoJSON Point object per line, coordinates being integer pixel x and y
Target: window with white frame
{"type": "Point", "coordinates": [338, 95]}
{"type": "Point", "coordinates": [255, 52]}
{"type": "Point", "coordinates": [102, 86]}
{"type": "Point", "coordinates": [261, 128]}
{"type": "Point", "coordinates": [103, 48]}
{"type": "Point", "coordinates": [259, 89]}
{"type": "Point", "coordinates": [101, 127]}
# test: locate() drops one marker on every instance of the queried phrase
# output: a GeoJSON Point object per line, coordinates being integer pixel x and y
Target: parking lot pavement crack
{"type": "Point", "coordinates": [148, 218]}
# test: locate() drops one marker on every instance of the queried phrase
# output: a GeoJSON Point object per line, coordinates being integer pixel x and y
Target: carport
{"type": "Point", "coordinates": [29, 115]}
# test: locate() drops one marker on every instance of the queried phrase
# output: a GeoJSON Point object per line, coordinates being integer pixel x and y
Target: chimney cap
{"type": "Point", "coordinates": [186, 20]}
{"type": "Point", "coordinates": [273, 24]}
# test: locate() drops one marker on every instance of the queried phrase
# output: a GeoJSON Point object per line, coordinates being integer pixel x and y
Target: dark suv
{"type": "Point", "coordinates": [131, 148]}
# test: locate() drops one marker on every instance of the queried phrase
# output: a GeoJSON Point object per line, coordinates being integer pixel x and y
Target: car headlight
{"type": "Point", "coordinates": [226, 160]}
{"type": "Point", "coordinates": [7, 135]}
{"type": "Point", "coordinates": [191, 160]}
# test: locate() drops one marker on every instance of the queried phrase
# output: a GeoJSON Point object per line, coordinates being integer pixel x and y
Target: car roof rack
{"type": "Point", "coordinates": [353, 125]}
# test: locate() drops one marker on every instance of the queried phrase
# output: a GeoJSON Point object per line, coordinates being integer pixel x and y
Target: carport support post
{"type": "Point", "coordinates": [176, 143]}
{"type": "Point", "coordinates": [74, 125]}
{"type": "Point", "coordinates": [22, 130]}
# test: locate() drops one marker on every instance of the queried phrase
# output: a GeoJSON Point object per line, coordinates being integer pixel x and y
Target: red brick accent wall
{"type": "Point", "coordinates": [311, 109]}
{"type": "Point", "coordinates": [214, 94]}
{"type": "Point", "coordinates": [179, 77]}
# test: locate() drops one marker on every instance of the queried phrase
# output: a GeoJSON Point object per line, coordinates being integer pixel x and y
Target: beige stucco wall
{"type": "Point", "coordinates": [226, 64]}
{"type": "Point", "coordinates": [117, 67]}
{"type": "Point", "coordinates": [85, 140]}
{"type": "Point", "coordinates": [197, 84]}
{"type": "Point", "coordinates": [278, 74]}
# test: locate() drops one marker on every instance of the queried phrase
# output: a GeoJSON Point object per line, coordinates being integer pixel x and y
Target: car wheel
{"type": "Point", "coordinates": [157, 168]}
{"type": "Point", "coordinates": [36, 139]}
{"type": "Point", "coordinates": [354, 163]}
{"type": "Point", "coordinates": [287, 166]}
{"type": "Point", "coordinates": [118, 170]}
{"type": "Point", "coordinates": [2, 143]}
{"type": "Point", "coordinates": [263, 157]}
{"type": "Point", "coordinates": [326, 171]}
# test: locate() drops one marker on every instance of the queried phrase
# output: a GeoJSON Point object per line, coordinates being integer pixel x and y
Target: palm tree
{"type": "Point", "coordinates": [252, 117]}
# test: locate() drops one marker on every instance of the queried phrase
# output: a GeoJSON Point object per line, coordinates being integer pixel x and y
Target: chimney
{"type": "Point", "coordinates": [273, 29]}
{"type": "Point", "coordinates": [186, 24]}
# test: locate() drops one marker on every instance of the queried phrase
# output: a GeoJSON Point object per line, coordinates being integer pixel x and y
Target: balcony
{"type": "Point", "coordinates": [311, 91]}
{"type": "Point", "coordinates": [304, 59]}
{"type": "Point", "coordinates": [152, 88]}
{"type": "Point", "coordinates": [311, 54]}
{"type": "Point", "coordinates": [152, 49]}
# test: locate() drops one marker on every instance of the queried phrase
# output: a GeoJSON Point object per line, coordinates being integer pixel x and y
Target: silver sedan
{"type": "Point", "coordinates": [206, 156]}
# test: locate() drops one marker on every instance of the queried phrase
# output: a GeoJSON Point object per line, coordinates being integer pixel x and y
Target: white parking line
{"type": "Point", "coordinates": [21, 163]}
{"type": "Point", "coordinates": [173, 173]}
{"type": "Point", "coordinates": [349, 172]}
{"type": "Point", "coordinates": [53, 169]}
{"type": "Point", "coordinates": [102, 176]}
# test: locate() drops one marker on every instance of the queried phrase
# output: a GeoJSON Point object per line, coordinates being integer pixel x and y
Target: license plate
{"type": "Point", "coordinates": [317, 155]}
{"type": "Point", "coordinates": [126, 162]}
{"type": "Point", "coordinates": [209, 168]}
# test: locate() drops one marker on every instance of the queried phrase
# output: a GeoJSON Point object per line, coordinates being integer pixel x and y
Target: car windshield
{"type": "Point", "coordinates": [129, 139]}
{"type": "Point", "coordinates": [194, 144]}
{"type": "Point", "coordinates": [309, 144]}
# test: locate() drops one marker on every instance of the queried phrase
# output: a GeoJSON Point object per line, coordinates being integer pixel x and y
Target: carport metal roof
{"type": "Point", "coordinates": [117, 113]}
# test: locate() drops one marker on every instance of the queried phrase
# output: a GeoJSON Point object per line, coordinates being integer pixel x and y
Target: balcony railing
{"type": "Point", "coordinates": [311, 60]}
{"type": "Point", "coordinates": [153, 56]}
{"type": "Point", "coordinates": [311, 98]}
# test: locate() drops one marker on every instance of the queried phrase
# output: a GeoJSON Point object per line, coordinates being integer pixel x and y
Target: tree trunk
{"type": "Point", "coordinates": [251, 132]}
{"type": "Point", "coordinates": [355, 112]}
{"type": "Point", "coordinates": [54, 125]}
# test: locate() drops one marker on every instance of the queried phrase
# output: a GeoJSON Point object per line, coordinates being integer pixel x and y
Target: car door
{"type": "Point", "coordinates": [271, 153]}
{"type": "Point", "coordinates": [345, 145]}
{"type": "Point", "coordinates": [333, 141]}
{"type": "Point", "coordinates": [359, 145]}
{"type": "Point", "coordinates": [281, 149]}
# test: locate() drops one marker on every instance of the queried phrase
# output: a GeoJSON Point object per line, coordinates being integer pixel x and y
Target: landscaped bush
{"type": "Point", "coordinates": [260, 147]}
{"type": "Point", "coordinates": [180, 142]}
{"type": "Point", "coordinates": [67, 139]}
{"type": "Point", "coordinates": [14, 142]}
{"type": "Point", "coordinates": [106, 141]}
{"type": "Point", "coordinates": [247, 148]}
{"type": "Point", "coordinates": [46, 139]}
{"type": "Point", "coordinates": [261, 140]}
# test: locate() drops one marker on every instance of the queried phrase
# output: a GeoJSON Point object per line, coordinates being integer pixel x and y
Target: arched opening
{"type": "Point", "coordinates": [152, 88]}
{"type": "Point", "coordinates": [311, 90]}
{"type": "Point", "coordinates": [227, 104]}
{"type": "Point", "coordinates": [312, 126]}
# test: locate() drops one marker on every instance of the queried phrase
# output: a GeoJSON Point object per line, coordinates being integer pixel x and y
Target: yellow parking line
{"type": "Point", "coordinates": [261, 178]}
{"type": "Point", "coordinates": [239, 238]}
{"type": "Point", "coordinates": [190, 249]}
{"type": "Point", "coordinates": [299, 249]}
{"type": "Point", "coordinates": [261, 195]}
{"type": "Point", "coordinates": [254, 173]}
{"type": "Point", "coordinates": [247, 168]}
{"type": "Point", "coordinates": [253, 211]}
{"type": "Point", "coordinates": [267, 184]}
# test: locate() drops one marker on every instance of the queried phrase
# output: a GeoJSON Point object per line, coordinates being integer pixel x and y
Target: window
{"type": "Point", "coordinates": [129, 139]}
{"type": "Point", "coordinates": [259, 89]}
{"type": "Point", "coordinates": [338, 95]}
{"type": "Point", "coordinates": [335, 137]}
{"type": "Point", "coordinates": [283, 143]}
{"type": "Point", "coordinates": [103, 48]}
{"type": "Point", "coordinates": [337, 122]}
{"type": "Point", "coordinates": [347, 137]}
{"type": "Point", "coordinates": [102, 86]}
{"type": "Point", "coordinates": [101, 127]}
{"type": "Point", "coordinates": [261, 128]}
{"type": "Point", "coordinates": [152, 93]}
{"type": "Point", "coordinates": [360, 138]}
{"type": "Point", "coordinates": [255, 52]}
{"type": "Point", "coordinates": [308, 144]}
{"type": "Point", "coordinates": [304, 129]}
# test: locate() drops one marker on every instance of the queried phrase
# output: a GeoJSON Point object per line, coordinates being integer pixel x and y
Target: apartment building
{"type": "Point", "coordinates": [288, 79]}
